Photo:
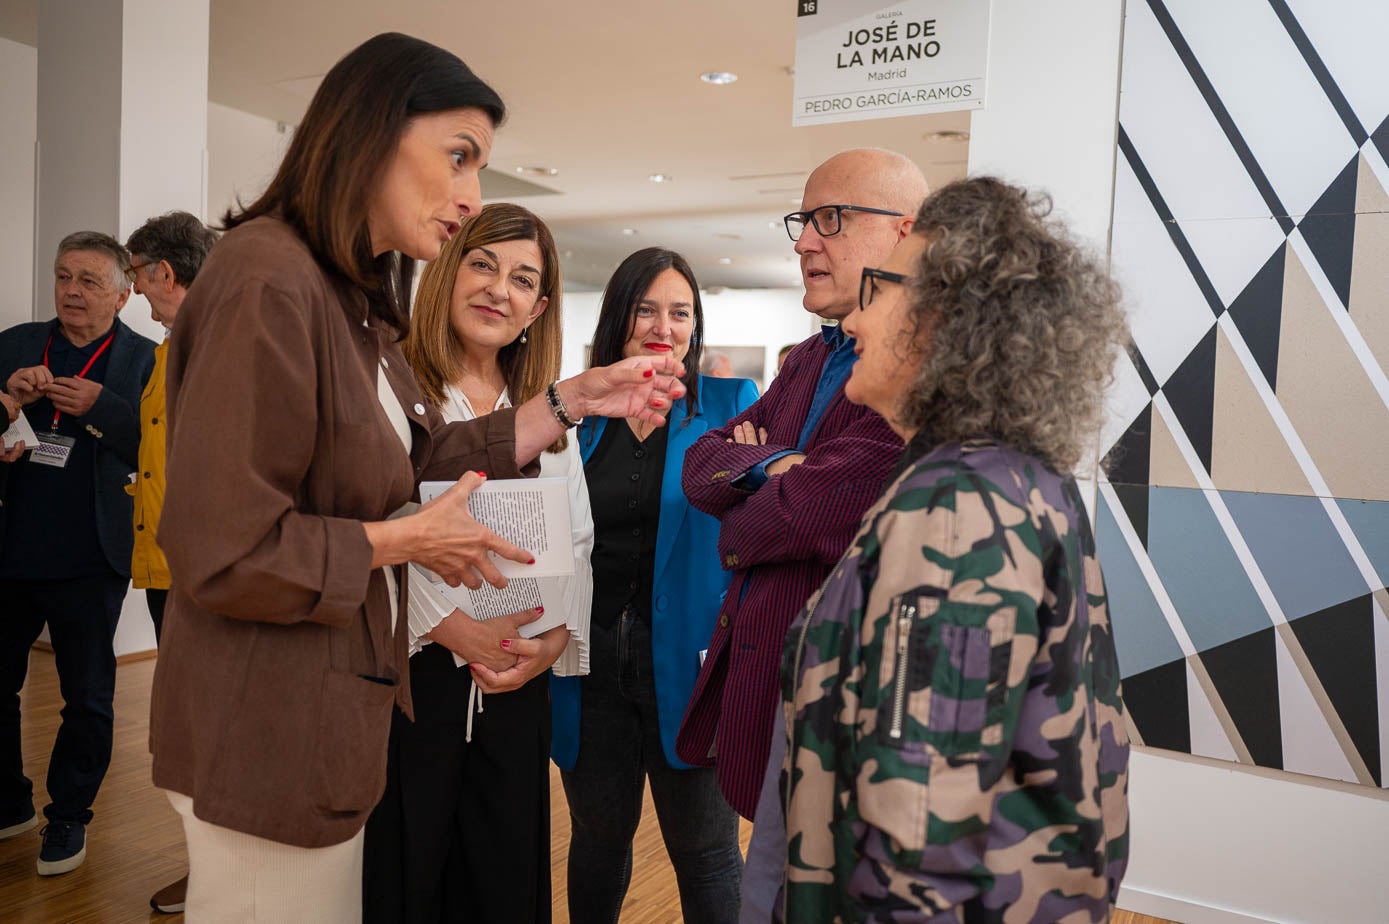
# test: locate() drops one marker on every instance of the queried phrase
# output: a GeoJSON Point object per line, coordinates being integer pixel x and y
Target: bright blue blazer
{"type": "Point", "coordinates": [689, 581]}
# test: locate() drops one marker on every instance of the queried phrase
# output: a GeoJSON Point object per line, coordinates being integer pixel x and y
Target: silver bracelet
{"type": "Point", "coordinates": [558, 409]}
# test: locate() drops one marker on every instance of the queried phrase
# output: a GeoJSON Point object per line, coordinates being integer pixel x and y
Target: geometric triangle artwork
{"type": "Point", "coordinates": [1309, 744]}
{"type": "Point", "coordinates": [1245, 674]}
{"type": "Point", "coordinates": [1381, 139]}
{"type": "Point", "coordinates": [1339, 643]}
{"type": "Point", "coordinates": [1329, 228]}
{"type": "Point", "coordinates": [1208, 735]}
{"type": "Point", "coordinates": [1257, 312]}
{"type": "Point", "coordinates": [1157, 706]}
{"type": "Point", "coordinates": [1191, 392]}
{"type": "Point", "coordinates": [1126, 467]}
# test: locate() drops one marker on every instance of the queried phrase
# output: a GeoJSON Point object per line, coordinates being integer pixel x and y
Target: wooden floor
{"type": "Point", "coordinates": [135, 843]}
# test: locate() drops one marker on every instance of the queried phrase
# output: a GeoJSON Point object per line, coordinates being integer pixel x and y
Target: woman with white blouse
{"type": "Point", "coordinates": [463, 830]}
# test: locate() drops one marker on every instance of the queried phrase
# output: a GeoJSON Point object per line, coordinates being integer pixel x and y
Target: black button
{"type": "Point", "coordinates": [632, 557]}
{"type": "Point", "coordinates": [639, 454]}
{"type": "Point", "coordinates": [636, 532]}
{"type": "Point", "coordinates": [636, 476]}
{"type": "Point", "coordinates": [147, 474]}
{"type": "Point", "coordinates": [633, 586]}
{"type": "Point", "coordinates": [631, 505]}
{"type": "Point", "coordinates": [139, 527]}
{"type": "Point", "coordinates": [154, 420]}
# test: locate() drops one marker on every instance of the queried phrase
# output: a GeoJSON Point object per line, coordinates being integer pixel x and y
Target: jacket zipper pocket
{"type": "Point", "coordinates": [906, 614]}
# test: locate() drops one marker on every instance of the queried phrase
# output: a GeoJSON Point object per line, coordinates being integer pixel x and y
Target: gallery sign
{"type": "Point", "coordinates": [866, 59]}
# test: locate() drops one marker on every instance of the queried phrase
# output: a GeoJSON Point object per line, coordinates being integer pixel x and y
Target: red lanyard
{"type": "Point", "coordinates": [85, 369]}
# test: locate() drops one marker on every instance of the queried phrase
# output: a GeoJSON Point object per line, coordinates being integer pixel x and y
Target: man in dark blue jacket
{"type": "Point", "coordinates": [65, 530]}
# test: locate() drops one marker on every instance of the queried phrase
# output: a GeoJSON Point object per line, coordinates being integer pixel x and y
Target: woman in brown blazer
{"type": "Point", "coordinates": [295, 433]}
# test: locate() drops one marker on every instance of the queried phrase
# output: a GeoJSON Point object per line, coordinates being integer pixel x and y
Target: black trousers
{"type": "Point", "coordinates": [81, 615]}
{"type": "Point", "coordinates": [156, 599]}
{"type": "Point", "coordinates": [462, 832]}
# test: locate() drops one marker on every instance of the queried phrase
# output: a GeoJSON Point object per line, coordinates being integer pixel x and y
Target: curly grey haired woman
{"type": "Point", "coordinates": [957, 743]}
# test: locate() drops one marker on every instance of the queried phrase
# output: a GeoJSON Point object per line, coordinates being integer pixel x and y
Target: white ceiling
{"type": "Point", "coordinates": [606, 93]}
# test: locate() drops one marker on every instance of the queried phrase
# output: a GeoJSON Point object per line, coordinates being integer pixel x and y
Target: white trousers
{"type": "Point", "coordinates": [235, 877]}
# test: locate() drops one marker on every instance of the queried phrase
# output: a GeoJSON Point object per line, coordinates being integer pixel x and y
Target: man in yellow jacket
{"type": "Point", "coordinates": [166, 254]}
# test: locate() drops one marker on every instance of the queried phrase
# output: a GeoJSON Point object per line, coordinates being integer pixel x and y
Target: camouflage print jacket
{"type": "Point", "coordinates": [958, 750]}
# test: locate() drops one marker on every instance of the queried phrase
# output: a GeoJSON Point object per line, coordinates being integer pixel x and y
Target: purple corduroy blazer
{"type": "Point", "coordinates": [780, 542]}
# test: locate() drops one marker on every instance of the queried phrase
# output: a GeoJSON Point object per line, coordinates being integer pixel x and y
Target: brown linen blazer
{"type": "Point", "coordinates": [279, 666]}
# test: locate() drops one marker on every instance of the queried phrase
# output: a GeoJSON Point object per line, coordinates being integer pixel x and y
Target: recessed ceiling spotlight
{"type": "Point", "coordinates": [947, 137]}
{"type": "Point", "coordinates": [629, 231]}
{"type": "Point", "coordinates": [538, 171]}
{"type": "Point", "coordinates": [718, 78]}
{"type": "Point", "coordinates": [725, 261]}
{"type": "Point", "coordinates": [660, 178]}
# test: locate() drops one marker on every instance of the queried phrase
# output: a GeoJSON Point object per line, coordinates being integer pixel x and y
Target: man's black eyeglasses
{"type": "Point", "coordinates": [827, 219]}
{"type": "Point", "coordinates": [868, 286]}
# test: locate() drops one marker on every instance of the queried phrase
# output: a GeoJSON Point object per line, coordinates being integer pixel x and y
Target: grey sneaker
{"type": "Point", "coordinates": [64, 847]}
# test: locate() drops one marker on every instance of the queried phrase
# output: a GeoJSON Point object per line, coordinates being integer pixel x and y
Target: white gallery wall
{"type": "Point", "coordinates": [19, 90]}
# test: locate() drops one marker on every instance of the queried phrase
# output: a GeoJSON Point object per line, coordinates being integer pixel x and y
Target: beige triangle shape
{"type": "Point", "coordinates": [1369, 195]}
{"type": "Point", "coordinates": [1336, 412]}
{"type": "Point", "coordinates": [1369, 268]}
{"type": "Point", "coordinates": [1248, 452]}
{"type": "Point", "coordinates": [1167, 466]}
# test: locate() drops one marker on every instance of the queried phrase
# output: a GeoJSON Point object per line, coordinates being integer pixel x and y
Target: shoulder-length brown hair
{"type": "Point", "coordinates": [431, 347]}
{"type": "Point", "coordinates": [1020, 325]}
{"type": "Point", "coordinates": [350, 131]}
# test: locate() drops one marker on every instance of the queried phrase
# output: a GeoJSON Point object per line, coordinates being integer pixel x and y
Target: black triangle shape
{"type": "Point", "coordinates": [1245, 674]}
{"type": "Point", "coordinates": [1134, 498]}
{"type": "Point", "coordinates": [1258, 314]}
{"type": "Point", "coordinates": [1191, 392]}
{"type": "Point", "coordinates": [1381, 139]}
{"type": "Point", "coordinates": [1127, 462]}
{"type": "Point", "coordinates": [1157, 705]}
{"type": "Point", "coordinates": [1329, 228]}
{"type": "Point", "coordinates": [1340, 644]}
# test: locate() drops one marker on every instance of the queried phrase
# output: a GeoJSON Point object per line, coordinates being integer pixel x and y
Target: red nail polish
{"type": "Point", "coordinates": [540, 610]}
{"type": "Point", "coordinates": [506, 643]}
{"type": "Point", "coordinates": [531, 562]}
{"type": "Point", "coordinates": [648, 373]}
{"type": "Point", "coordinates": [482, 474]}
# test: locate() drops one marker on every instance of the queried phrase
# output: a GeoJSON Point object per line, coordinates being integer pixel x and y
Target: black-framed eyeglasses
{"type": "Point", "coordinates": [827, 219]}
{"type": "Point", "coordinates": [868, 284]}
{"type": "Point", "coordinates": [133, 270]}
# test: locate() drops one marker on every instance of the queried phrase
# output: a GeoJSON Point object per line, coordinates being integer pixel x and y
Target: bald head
{"type": "Point", "coordinates": [831, 264]}
{"type": "Point", "coordinates": [875, 177]}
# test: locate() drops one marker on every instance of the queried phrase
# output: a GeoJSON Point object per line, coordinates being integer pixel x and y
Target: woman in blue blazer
{"type": "Point", "coordinates": [657, 589]}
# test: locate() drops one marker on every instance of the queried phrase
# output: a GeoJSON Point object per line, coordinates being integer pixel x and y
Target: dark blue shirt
{"type": "Point", "coordinates": [50, 525]}
{"type": "Point", "coordinates": [835, 373]}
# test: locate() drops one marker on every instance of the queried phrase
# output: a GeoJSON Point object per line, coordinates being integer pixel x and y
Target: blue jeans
{"type": "Point", "coordinates": [620, 748]}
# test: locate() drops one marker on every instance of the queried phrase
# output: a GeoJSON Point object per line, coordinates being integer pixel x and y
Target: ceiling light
{"type": "Point", "coordinates": [629, 231]}
{"type": "Point", "coordinates": [725, 261]}
{"type": "Point", "coordinates": [660, 178]}
{"type": "Point", "coordinates": [718, 78]}
{"type": "Point", "coordinates": [538, 171]}
{"type": "Point", "coordinates": [947, 137]}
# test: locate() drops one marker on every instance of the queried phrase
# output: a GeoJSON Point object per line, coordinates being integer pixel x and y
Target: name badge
{"type": "Point", "coordinates": [53, 449]}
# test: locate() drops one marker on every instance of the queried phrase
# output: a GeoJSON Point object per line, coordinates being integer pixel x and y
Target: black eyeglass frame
{"type": "Point", "coordinates": [839, 210]}
{"type": "Point", "coordinates": [866, 286]}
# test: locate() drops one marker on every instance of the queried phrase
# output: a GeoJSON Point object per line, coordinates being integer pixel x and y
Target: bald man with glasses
{"type": "Point", "coordinates": [791, 477]}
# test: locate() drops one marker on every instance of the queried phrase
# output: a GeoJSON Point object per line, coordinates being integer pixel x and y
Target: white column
{"type": "Point", "coordinates": [122, 124]}
{"type": "Point", "coordinates": [1052, 105]}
